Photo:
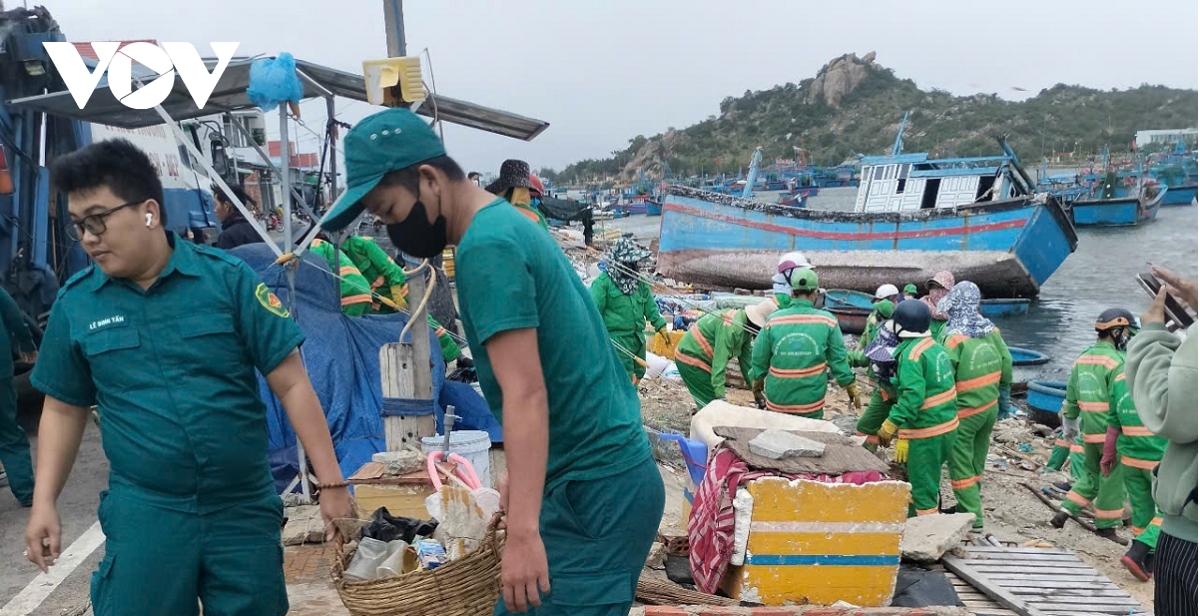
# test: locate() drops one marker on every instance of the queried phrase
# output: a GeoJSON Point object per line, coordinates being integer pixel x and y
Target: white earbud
{"type": "Point", "coordinates": [149, 219]}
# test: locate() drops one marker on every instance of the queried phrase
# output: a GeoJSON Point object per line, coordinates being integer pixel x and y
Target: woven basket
{"type": "Point", "coordinates": [469, 586]}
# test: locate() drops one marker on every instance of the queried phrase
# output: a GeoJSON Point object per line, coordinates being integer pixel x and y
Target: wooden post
{"type": "Point", "coordinates": [405, 370]}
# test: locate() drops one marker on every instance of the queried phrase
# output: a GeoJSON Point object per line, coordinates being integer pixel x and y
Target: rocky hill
{"type": "Point", "coordinates": [855, 105]}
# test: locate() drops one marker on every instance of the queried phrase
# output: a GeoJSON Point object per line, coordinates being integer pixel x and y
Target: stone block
{"type": "Point", "coordinates": [400, 462]}
{"type": "Point", "coordinates": [928, 537]}
{"type": "Point", "coordinates": [778, 444]}
{"type": "Point", "coordinates": [304, 525]}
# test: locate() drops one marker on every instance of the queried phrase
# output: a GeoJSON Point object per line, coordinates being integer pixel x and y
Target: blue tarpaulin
{"type": "Point", "coordinates": [341, 354]}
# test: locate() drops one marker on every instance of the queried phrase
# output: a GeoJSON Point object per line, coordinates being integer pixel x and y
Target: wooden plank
{"type": "Point", "coordinates": [1127, 601]}
{"type": "Point", "coordinates": [1017, 558]}
{"type": "Point", "coordinates": [1111, 591]}
{"type": "Point", "coordinates": [1065, 609]}
{"type": "Point", "coordinates": [972, 549]}
{"type": "Point", "coordinates": [1024, 577]}
{"type": "Point", "coordinates": [1066, 569]}
{"type": "Point", "coordinates": [1038, 583]}
{"type": "Point", "coordinates": [962, 568]}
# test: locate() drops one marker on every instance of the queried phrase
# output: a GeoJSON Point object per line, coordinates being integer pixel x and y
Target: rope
{"type": "Point", "coordinates": [424, 300]}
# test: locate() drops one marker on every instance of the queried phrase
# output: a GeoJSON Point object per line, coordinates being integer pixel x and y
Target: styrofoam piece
{"type": "Point", "coordinates": [720, 413]}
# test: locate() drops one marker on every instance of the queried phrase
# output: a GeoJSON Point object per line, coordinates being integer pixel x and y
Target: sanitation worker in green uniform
{"type": "Point", "coordinates": [924, 416]}
{"type": "Point", "coordinates": [626, 304]}
{"type": "Point", "coordinates": [797, 350]}
{"type": "Point", "coordinates": [703, 354]}
{"type": "Point", "coordinates": [585, 497]}
{"type": "Point", "coordinates": [165, 336]}
{"type": "Point", "coordinates": [983, 380]}
{"type": "Point", "coordinates": [14, 446]}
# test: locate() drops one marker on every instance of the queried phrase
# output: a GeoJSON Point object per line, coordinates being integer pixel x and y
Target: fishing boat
{"type": "Point", "coordinates": [1180, 195]}
{"type": "Point", "coordinates": [1045, 399]}
{"type": "Point", "coordinates": [1138, 207]}
{"type": "Point", "coordinates": [1027, 357]}
{"type": "Point", "coordinates": [845, 298]}
{"type": "Point", "coordinates": [851, 320]}
{"type": "Point", "coordinates": [998, 308]}
{"type": "Point", "coordinates": [653, 208]}
{"type": "Point", "coordinates": [914, 216]}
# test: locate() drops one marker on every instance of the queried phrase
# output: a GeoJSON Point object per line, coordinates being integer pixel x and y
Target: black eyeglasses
{"type": "Point", "coordinates": [94, 223]}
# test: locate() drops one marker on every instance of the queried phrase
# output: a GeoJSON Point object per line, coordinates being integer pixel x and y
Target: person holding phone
{"type": "Point", "coordinates": [1161, 374]}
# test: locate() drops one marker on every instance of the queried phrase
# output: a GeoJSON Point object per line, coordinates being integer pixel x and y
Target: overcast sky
{"type": "Point", "coordinates": [604, 71]}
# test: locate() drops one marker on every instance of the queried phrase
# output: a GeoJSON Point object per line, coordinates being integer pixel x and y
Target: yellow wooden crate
{"type": "Point", "coordinates": [655, 344]}
{"type": "Point", "coordinates": [819, 543]}
{"type": "Point", "coordinates": [406, 500]}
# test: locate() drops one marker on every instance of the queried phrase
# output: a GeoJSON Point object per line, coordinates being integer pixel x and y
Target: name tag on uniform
{"type": "Point", "coordinates": [117, 320]}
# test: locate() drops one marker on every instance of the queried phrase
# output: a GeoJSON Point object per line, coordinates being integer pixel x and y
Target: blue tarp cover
{"type": "Point", "coordinates": [341, 354]}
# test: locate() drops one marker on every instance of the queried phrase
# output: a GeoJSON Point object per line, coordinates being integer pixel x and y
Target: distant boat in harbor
{"type": "Point", "coordinates": [976, 217]}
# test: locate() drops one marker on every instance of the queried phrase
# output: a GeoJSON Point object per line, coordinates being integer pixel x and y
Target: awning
{"type": "Point", "coordinates": [230, 95]}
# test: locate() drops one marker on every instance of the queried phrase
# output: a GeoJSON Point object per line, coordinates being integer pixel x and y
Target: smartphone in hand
{"type": "Point", "coordinates": [1176, 315]}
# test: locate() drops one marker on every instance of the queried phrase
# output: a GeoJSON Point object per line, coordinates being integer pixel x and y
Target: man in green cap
{"type": "Point", "coordinates": [585, 497]}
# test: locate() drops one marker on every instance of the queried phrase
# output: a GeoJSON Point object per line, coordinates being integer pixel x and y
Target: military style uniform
{"type": "Point", "coordinates": [191, 510]}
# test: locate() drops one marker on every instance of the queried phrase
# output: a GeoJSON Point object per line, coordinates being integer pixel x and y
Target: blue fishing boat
{"type": "Point", "coordinates": [851, 320]}
{"type": "Point", "coordinates": [1180, 195]}
{"type": "Point", "coordinates": [999, 308]}
{"type": "Point", "coordinates": [915, 216]}
{"type": "Point", "coordinates": [1027, 357]}
{"type": "Point", "coordinates": [1045, 399]}
{"type": "Point", "coordinates": [1139, 207]}
{"type": "Point", "coordinates": [845, 298]}
{"type": "Point", "coordinates": [653, 208]}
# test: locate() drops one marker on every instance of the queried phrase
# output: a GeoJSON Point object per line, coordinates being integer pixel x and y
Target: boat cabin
{"type": "Point", "coordinates": [913, 182]}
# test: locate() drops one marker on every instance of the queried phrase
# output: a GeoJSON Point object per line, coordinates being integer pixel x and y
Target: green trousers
{"type": "Point", "coordinates": [1146, 516]}
{"type": "Point", "coordinates": [1105, 494]}
{"type": "Point", "coordinates": [597, 534]}
{"type": "Point", "coordinates": [698, 382]}
{"type": "Point", "coordinates": [634, 343]}
{"type": "Point", "coordinates": [1062, 453]}
{"type": "Point", "coordinates": [161, 561]}
{"type": "Point", "coordinates": [926, 457]}
{"type": "Point", "coordinates": [873, 417]}
{"type": "Point", "coordinates": [14, 446]}
{"type": "Point", "coordinates": [968, 460]}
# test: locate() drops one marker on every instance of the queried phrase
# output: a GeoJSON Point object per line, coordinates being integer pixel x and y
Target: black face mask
{"type": "Point", "coordinates": [416, 236]}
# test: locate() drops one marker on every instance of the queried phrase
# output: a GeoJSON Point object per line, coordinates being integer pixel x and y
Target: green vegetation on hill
{"type": "Point", "coordinates": [855, 106]}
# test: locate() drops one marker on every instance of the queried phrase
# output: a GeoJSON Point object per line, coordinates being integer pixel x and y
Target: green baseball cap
{"type": "Point", "coordinates": [804, 280]}
{"type": "Point", "coordinates": [386, 141]}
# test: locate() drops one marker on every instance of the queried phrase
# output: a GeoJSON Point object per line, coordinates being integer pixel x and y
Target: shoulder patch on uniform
{"type": "Point", "coordinates": [270, 301]}
{"type": "Point", "coordinates": [79, 276]}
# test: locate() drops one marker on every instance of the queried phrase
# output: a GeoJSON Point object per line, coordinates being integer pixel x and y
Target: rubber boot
{"type": "Point", "coordinates": [1135, 560]}
{"type": "Point", "coordinates": [1111, 535]}
{"type": "Point", "coordinates": [1060, 519]}
{"type": "Point", "coordinates": [1149, 565]}
{"type": "Point", "coordinates": [1062, 486]}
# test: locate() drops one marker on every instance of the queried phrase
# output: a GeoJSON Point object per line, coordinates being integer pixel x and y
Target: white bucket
{"type": "Point", "coordinates": [470, 444]}
{"type": "Point", "coordinates": [656, 364]}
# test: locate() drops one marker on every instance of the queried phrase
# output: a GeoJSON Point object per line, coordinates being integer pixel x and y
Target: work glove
{"type": "Point", "coordinates": [665, 337]}
{"type": "Point", "coordinates": [1006, 406]}
{"type": "Point", "coordinates": [465, 362]}
{"type": "Point", "coordinates": [399, 299]}
{"type": "Point", "coordinates": [887, 432]}
{"type": "Point", "coordinates": [1070, 428]}
{"type": "Point", "coordinates": [901, 456]}
{"type": "Point", "coordinates": [1109, 460]}
{"type": "Point", "coordinates": [852, 390]}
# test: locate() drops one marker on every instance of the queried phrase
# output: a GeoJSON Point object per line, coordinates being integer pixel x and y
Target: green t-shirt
{"type": "Point", "coordinates": [511, 276]}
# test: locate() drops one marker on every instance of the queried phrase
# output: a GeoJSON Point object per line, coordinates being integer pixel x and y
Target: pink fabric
{"type": "Point", "coordinates": [710, 527]}
{"type": "Point", "coordinates": [946, 280]}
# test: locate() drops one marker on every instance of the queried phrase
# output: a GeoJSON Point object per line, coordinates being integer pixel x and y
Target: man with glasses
{"type": "Point", "coordinates": [165, 337]}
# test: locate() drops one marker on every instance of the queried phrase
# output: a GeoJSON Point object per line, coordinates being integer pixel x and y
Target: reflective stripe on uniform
{"type": "Point", "coordinates": [801, 318]}
{"type": "Point", "coordinates": [962, 484]}
{"type": "Point", "coordinates": [1146, 465]}
{"type": "Point", "coordinates": [798, 373]}
{"type": "Point", "coordinates": [939, 399]}
{"type": "Point", "coordinates": [977, 382]}
{"type": "Point", "coordinates": [1076, 448]}
{"type": "Point", "coordinates": [796, 408]}
{"type": "Point", "coordinates": [1136, 431]}
{"type": "Point", "coordinates": [1110, 514]}
{"type": "Point", "coordinates": [1094, 439]}
{"type": "Point", "coordinates": [971, 412]}
{"type": "Point", "coordinates": [1074, 497]}
{"type": "Point", "coordinates": [350, 300]}
{"type": "Point", "coordinates": [1093, 407]}
{"type": "Point", "coordinates": [930, 432]}
{"type": "Point", "coordinates": [692, 361]}
{"type": "Point", "coordinates": [705, 345]}
{"type": "Point", "coordinates": [378, 283]}
{"type": "Point", "coordinates": [347, 270]}
{"type": "Point", "coordinates": [920, 347]}
{"type": "Point", "coordinates": [1098, 360]}
{"type": "Point", "coordinates": [927, 511]}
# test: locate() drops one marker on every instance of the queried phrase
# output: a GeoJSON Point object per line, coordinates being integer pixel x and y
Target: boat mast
{"type": "Point", "coordinates": [898, 145]}
{"type": "Point", "coordinates": [752, 174]}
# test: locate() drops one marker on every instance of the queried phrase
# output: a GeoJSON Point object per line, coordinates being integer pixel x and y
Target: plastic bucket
{"type": "Point", "coordinates": [695, 455]}
{"type": "Point", "coordinates": [470, 444]}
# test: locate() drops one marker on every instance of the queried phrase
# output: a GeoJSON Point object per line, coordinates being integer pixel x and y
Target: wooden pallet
{"type": "Point", "coordinates": [976, 602]}
{"type": "Point", "coordinates": [1042, 582]}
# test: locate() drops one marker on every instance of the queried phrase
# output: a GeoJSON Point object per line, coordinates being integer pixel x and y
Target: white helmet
{"type": "Point", "coordinates": [886, 291]}
{"type": "Point", "coordinates": [793, 260]}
